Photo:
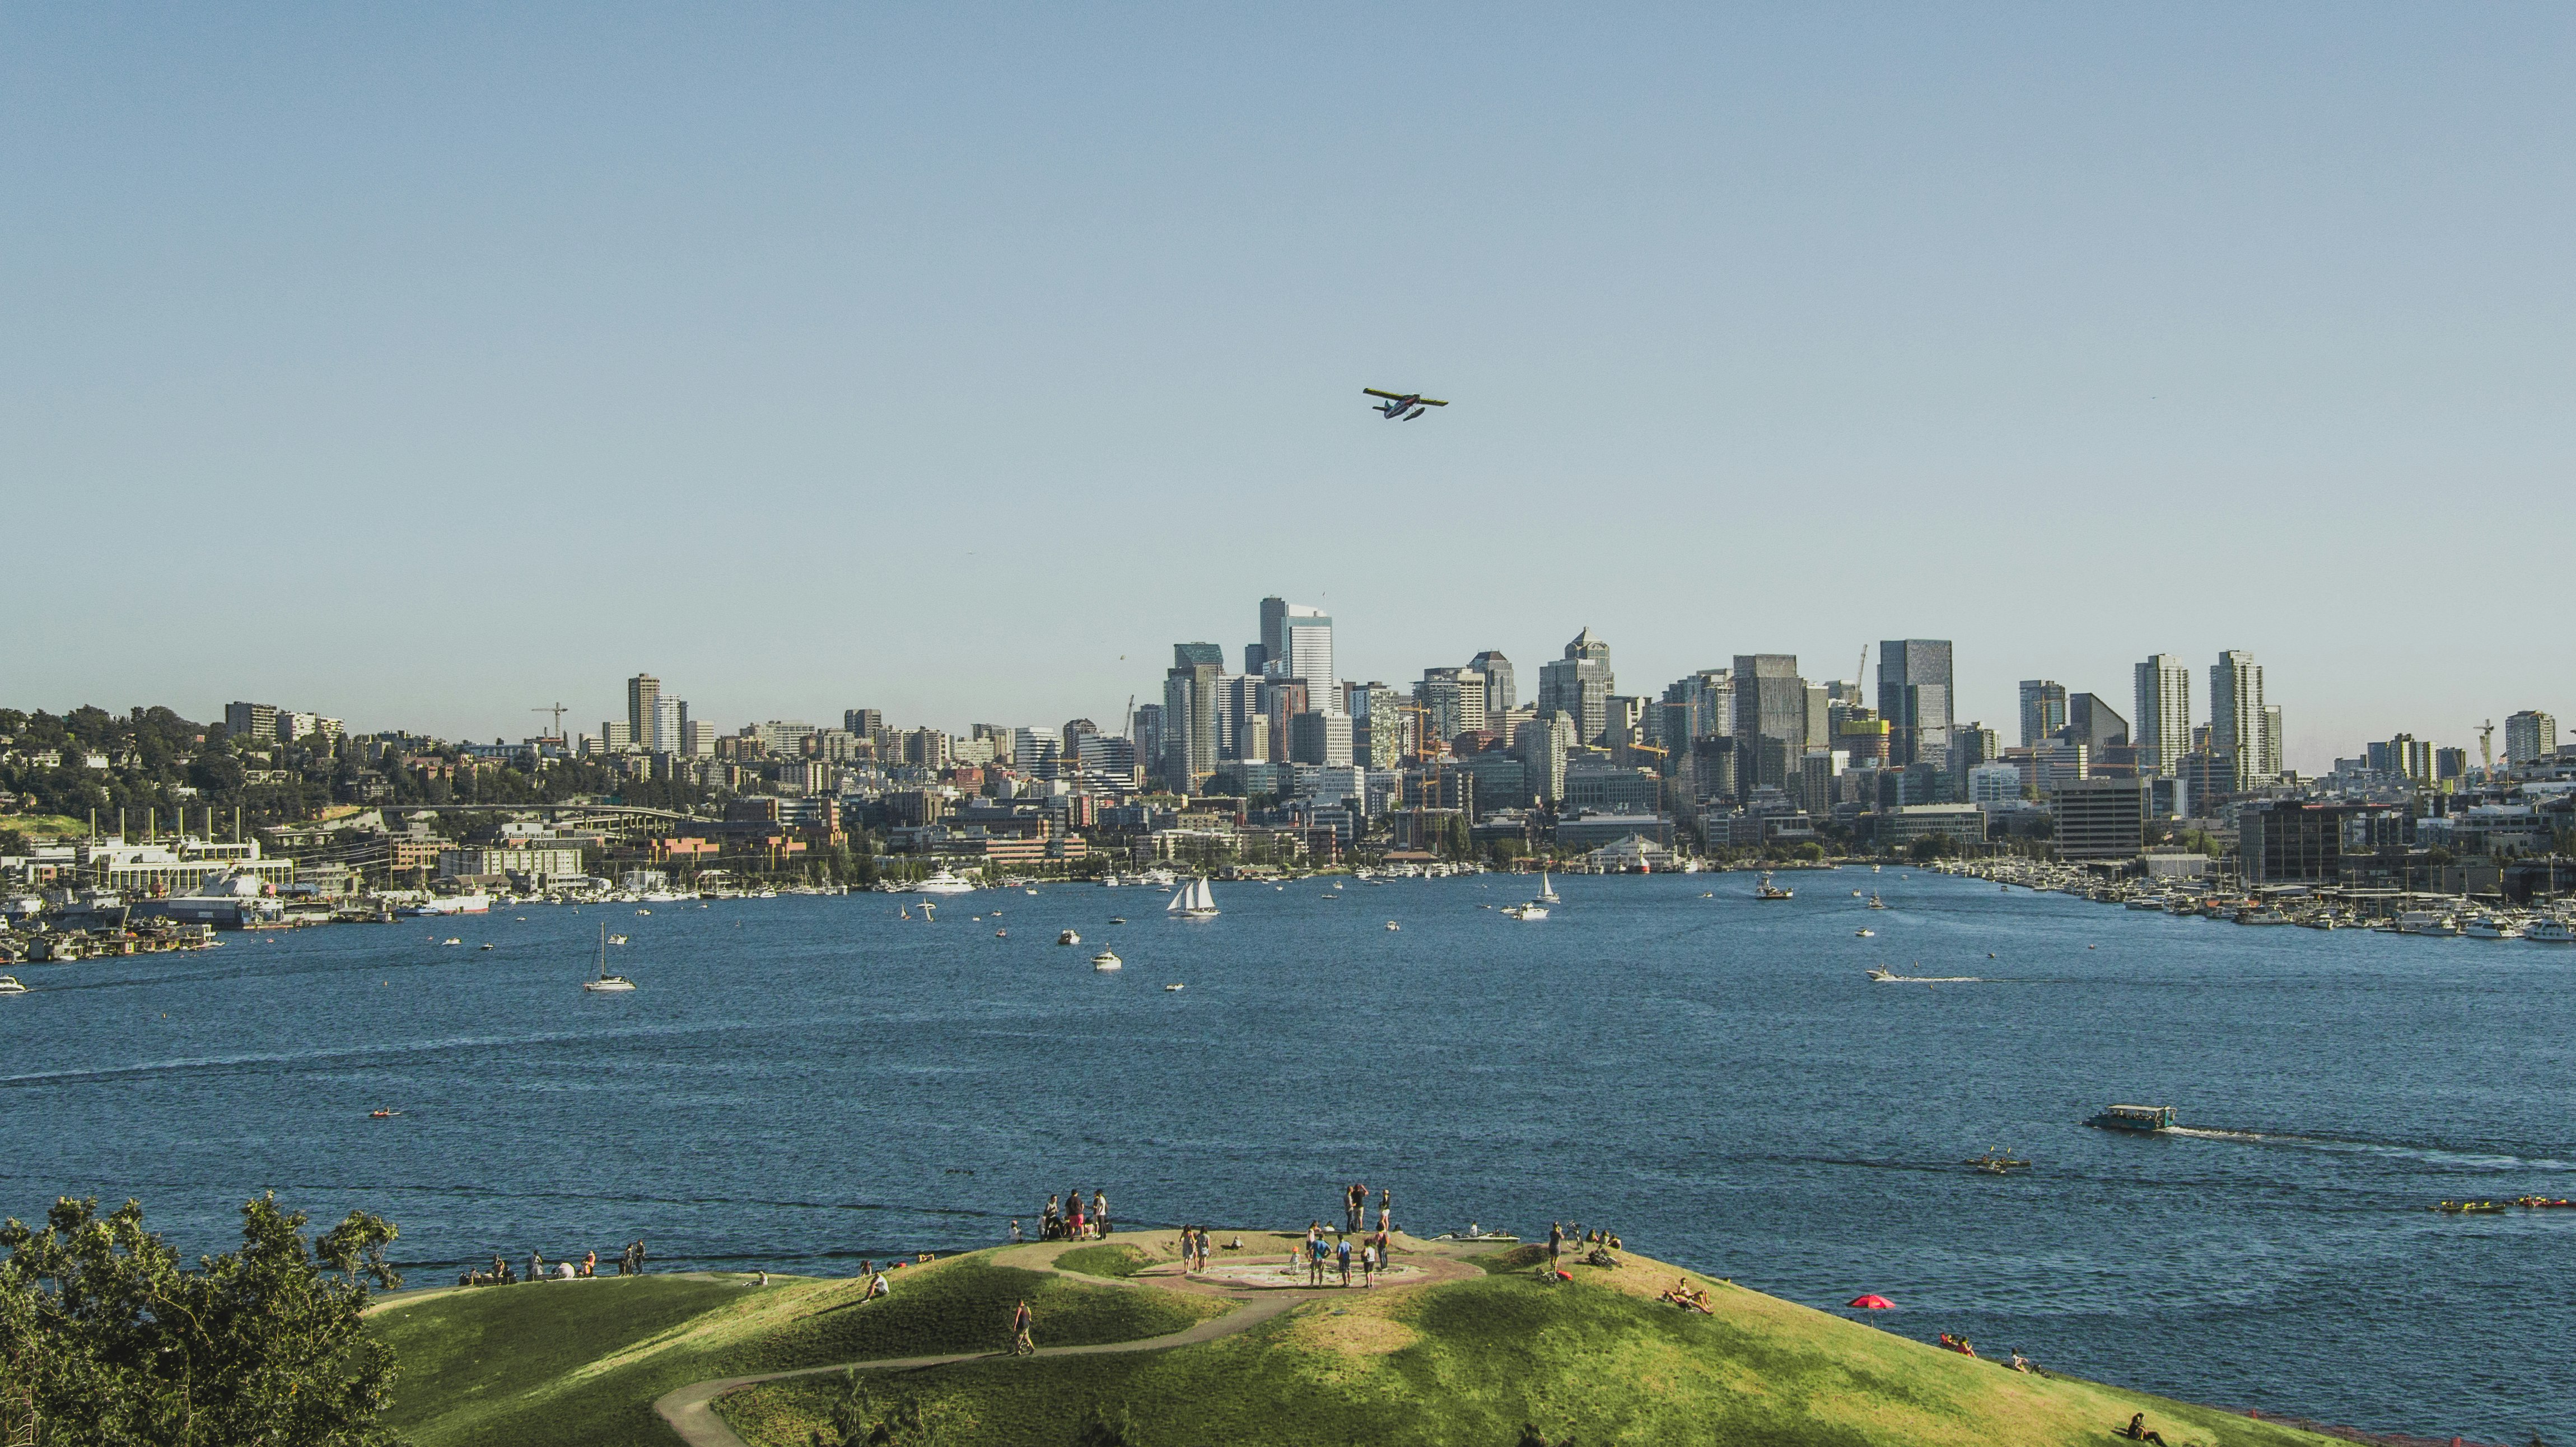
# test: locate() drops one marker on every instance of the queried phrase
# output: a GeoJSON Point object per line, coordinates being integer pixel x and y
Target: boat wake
{"type": "Point", "coordinates": [1885, 978]}
{"type": "Point", "coordinates": [2431, 1155]}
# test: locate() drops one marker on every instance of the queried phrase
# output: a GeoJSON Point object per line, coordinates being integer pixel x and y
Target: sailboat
{"type": "Point", "coordinates": [1193, 901]}
{"type": "Point", "coordinates": [603, 982]}
{"type": "Point", "coordinates": [1546, 892]}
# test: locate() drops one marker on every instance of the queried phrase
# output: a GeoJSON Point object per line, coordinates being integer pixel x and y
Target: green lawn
{"type": "Point", "coordinates": [1468, 1363]}
{"type": "Point", "coordinates": [1107, 1259]}
{"type": "Point", "coordinates": [578, 1364]}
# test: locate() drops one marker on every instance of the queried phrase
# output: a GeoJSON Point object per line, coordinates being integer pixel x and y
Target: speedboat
{"type": "Point", "coordinates": [602, 982]}
{"type": "Point", "coordinates": [451, 941]}
{"type": "Point", "coordinates": [1107, 960]}
{"type": "Point", "coordinates": [1865, 932]}
{"type": "Point", "coordinates": [1174, 987]}
{"type": "Point", "coordinates": [9, 985]}
{"type": "Point", "coordinates": [1068, 938]}
{"type": "Point", "coordinates": [1392, 925]}
{"type": "Point", "coordinates": [1767, 890]}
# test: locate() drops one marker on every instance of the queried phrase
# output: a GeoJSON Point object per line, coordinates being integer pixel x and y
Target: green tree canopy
{"type": "Point", "coordinates": [106, 1340]}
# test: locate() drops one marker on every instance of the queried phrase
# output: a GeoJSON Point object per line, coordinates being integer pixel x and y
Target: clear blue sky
{"type": "Point", "coordinates": [421, 364]}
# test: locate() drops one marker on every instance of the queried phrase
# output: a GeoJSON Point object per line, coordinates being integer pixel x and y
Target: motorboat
{"type": "Point", "coordinates": [1767, 890]}
{"type": "Point", "coordinates": [1877, 903]}
{"type": "Point", "coordinates": [2429, 923]}
{"type": "Point", "coordinates": [451, 940]}
{"type": "Point", "coordinates": [2261, 916]}
{"type": "Point", "coordinates": [9, 985]}
{"type": "Point", "coordinates": [2143, 1119]}
{"type": "Point", "coordinates": [1068, 938]}
{"type": "Point", "coordinates": [2489, 927]}
{"type": "Point", "coordinates": [451, 904]}
{"type": "Point", "coordinates": [1169, 988]}
{"type": "Point", "coordinates": [1531, 910]}
{"type": "Point", "coordinates": [2550, 932]}
{"type": "Point", "coordinates": [1997, 1162]}
{"type": "Point", "coordinates": [1107, 960]}
{"type": "Point", "coordinates": [1393, 926]}
{"type": "Point", "coordinates": [486, 946]}
{"type": "Point", "coordinates": [1193, 901]}
{"type": "Point", "coordinates": [944, 882]}
{"type": "Point", "coordinates": [1864, 932]}
{"type": "Point", "coordinates": [601, 981]}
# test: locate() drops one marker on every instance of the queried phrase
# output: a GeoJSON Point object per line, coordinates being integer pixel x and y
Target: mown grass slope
{"type": "Point", "coordinates": [1469, 1362]}
{"type": "Point", "coordinates": [578, 1364]}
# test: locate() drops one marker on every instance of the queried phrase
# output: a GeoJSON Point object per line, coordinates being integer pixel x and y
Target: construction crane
{"type": "Point", "coordinates": [2486, 746]}
{"type": "Point", "coordinates": [1860, 670]}
{"type": "Point", "coordinates": [558, 710]}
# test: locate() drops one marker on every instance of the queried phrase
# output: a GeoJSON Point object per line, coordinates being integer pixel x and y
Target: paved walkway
{"type": "Point", "coordinates": [691, 1412]}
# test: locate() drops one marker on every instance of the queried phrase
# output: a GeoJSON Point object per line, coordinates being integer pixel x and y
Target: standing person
{"type": "Point", "coordinates": [1100, 1213]}
{"type": "Point", "coordinates": [1351, 1207]}
{"type": "Point", "coordinates": [639, 1255]}
{"type": "Point", "coordinates": [1021, 1320]}
{"type": "Point", "coordinates": [1051, 1223]}
{"type": "Point", "coordinates": [1204, 1248]}
{"type": "Point", "coordinates": [536, 1264]}
{"type": "Point", "coordinates": [1555, 1243]}
{"type": "Point", "coordinates": [1385, 1208]}
{"type": "Point", "coordinates": [1015, 1230]}
{"type": "Point", "coordinates": [590, 1263]}
{"type": "Point", "coordinates": [1344, 1252]}
{"type": "Point", "coordinates": [1379, 1245]}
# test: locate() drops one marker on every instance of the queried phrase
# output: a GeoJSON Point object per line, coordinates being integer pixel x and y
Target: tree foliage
{"type": "Point", "coordinates": [106, 1340]}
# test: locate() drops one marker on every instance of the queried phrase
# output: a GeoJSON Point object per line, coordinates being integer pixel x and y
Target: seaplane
{"type": "Point", "coordinates": [1403, 406]}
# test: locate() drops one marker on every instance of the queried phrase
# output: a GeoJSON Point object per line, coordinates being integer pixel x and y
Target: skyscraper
{"type": "Point", "coordinates": [1190, 715]}
{"type": "Point", "coordinates": [2529, 737]}
{"type": "Point", "coordinates": [642, 692]}
{"type": "Point", "coordinates": [2164, 714]}
{"type": "Point", "coordinates": [1274, 636]}
{"type": "Point", "coordinates": [2092, 722]}
{"type": "Point", "coordinates": [1914, 698]}
{"type": "Point", "coordinates": [1770, 719]}
{"type": "Point", "coordinates": [2043, 710]}
{"type": "Point", "coordinates": [1578, 686]}
{"type": "Point", "coordinates": [1501, 697]}
{"type": "Point", "coordinates": [2236, 715]}
{"type": "Point", "coordinates": [2272, 745]}
{"type": "Point", "coordinates": [670, 726]}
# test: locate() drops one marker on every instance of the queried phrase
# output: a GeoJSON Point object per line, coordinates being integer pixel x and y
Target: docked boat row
{"type": "Point", "coordinates": [2389, 912]}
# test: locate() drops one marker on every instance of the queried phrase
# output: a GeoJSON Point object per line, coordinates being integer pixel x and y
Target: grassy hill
{"type": "Point", "coordinates": [1464, 1362]}
{"type": "Point", "coordinates": [578, 1363]}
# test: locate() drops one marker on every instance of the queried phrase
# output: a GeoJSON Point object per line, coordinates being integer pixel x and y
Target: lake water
{"type": "Point", "coordinates": [801, 1082]}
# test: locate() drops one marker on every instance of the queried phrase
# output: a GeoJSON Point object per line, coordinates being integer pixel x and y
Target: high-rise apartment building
{"type": "Point", "coordinates": [2236, 716]}
{"type": "Point", "coordinates": [2164, 714]}
{"type": "Point", "coordinates": [643, 691]}
{"type": "Point", "coordinates": [1578, 686]}
{"type": "Point", "coordinates": [251, 720]}
{"type": "Point", "coordinates": [2269, 765]}
{"type": "Point", "coordinates": [1189, 715]}
{"type": "Point", "coordinates": [1453, 701]}
{"type": "Point", "coordinates": [1377, 726]}
{"type": "Point", "coordinates": [670, 726]}
{"type": "Point", "coordinates": [2529, 737]}
{"type": "Point", "coordinates": [1770, 719]}
{"type": "Point", "coordinates": [1148, 724]}
{"type": "Point", "coordinates": [1914, 692]}
{"type": "Point", "coordinates": [2043, 710]}
{"type": "Point", "coordinates": [867, 723]}
{"type": "Point", "coordinates": [1500, 695]}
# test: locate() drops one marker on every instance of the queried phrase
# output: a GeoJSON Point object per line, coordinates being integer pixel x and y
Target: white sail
{"type": "Point", "coordinates": [1180, 900]}
{"type": "Point", "coordinates": [1202, 897]}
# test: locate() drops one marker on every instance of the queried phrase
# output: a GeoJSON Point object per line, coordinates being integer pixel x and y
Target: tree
{"type": "Point", "coordinates": [1931, 847]}
{"type": "Point", "coordinates": [107, 1339]}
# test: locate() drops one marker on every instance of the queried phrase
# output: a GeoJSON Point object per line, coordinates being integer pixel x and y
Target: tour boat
{"type": "Point", "coordinates": [1194, 901]}
{"type": "Point", "coordinates": [2550, 932]}
{"type": "Point", "coordinates": [1106, 960]}
{"type": "Point", "coordinates": [2146, 1119]}
{"type": "Point", "coordinates": [1546, 894]}
{"type": "Point", "coordinates": [452, 904]}
{"type": "Point", "coordinates": [9, 985]}
{"type": "Point", "coordinates": [1068, 938]}
{"type": "Point", "coordinates": [944, 883]}
{"type": "Point", "coordinates": [602, 982]}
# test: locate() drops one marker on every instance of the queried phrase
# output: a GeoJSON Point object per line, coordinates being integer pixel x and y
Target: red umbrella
{"type": "Point", "coordinates": [1873, 1303]}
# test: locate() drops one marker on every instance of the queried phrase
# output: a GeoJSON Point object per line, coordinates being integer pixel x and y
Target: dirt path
{"type": "Point", "coordinates": [691, 1412]}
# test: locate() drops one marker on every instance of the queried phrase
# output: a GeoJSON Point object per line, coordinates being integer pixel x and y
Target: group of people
{"type": "Point", "coordinates": [630, 1262]}
{"type": "Point", "coordinates": [1355, 1209]}
{"type": "Point", "coordinates": [1598, 1244]}
{"type": "Point", "coordinates": [1323, 1257]}
{"type": "Point", "coordinates": [1688, 1297]}
{"type": "Point", "coordinates": [1194, 1250]}
{"type": "Point", "coordinates": [1066, 1218]}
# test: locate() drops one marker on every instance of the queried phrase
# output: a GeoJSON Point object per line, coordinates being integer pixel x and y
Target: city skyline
{"type": "Point", "coordinates": [931, 350]}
